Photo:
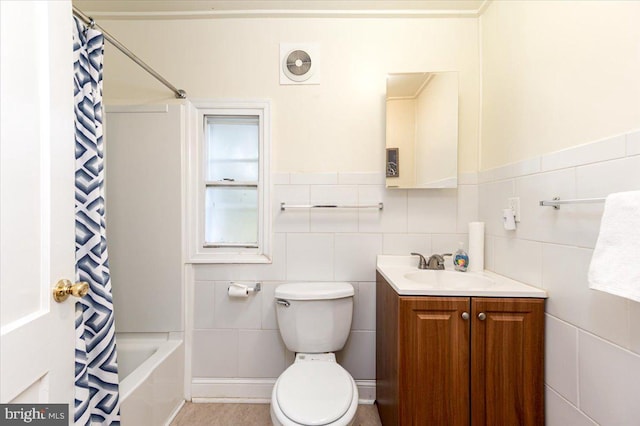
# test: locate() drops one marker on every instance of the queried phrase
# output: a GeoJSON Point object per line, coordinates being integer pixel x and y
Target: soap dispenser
{"type": "Point", "coordinates": [461, 259]}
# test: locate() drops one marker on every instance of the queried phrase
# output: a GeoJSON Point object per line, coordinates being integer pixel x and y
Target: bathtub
{"type": "Point", "coordinates": [151, 373]}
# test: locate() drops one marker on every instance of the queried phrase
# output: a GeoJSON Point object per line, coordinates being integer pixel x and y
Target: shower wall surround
{"type": "Point", "coordinates": [237, 350]}
{"type": "Point", "coordinates": [143, 208]}
{"type": "Point", "coordinates": [593, 338]}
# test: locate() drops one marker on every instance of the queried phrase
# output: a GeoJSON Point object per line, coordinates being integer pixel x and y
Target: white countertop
{"type": "Point", "coordinates": [396, 268]}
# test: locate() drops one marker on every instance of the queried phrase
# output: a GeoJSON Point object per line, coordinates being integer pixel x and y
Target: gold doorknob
{"type": "Point", "coordinates": [64, 288]}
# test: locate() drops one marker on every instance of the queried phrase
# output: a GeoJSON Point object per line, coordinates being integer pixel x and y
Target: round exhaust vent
{"type": "Point", "coordinates": [298, 64]}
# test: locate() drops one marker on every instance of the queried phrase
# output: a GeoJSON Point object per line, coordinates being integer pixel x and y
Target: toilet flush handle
{"type": "Point", "coordinates": [283, 302]}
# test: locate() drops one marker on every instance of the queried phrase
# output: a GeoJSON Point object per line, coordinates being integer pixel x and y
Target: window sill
{"type": "Point", "coordinates": [229, 258]}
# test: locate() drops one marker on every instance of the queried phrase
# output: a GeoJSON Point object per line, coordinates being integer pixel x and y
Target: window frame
{"type": "Point", "coordinates": [197, 249]}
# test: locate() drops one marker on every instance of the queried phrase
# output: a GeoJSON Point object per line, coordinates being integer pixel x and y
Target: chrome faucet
{"type": "Point", "coordinates": [436, 261]}
{"type": "Point", "coordinates": [422, 263]}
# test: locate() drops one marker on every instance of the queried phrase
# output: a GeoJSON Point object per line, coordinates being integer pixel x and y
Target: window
{"type": "Point", "coordinates": [229, 190]}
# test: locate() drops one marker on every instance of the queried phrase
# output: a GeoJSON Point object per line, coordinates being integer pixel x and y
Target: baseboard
{"type": "Point", "coordinates": [366, 391]}
{"type": "Point", "coordinates": [174, 413]}
{"type": "Point", "coordinates": [255, 391]}
{"type": "Point", "coordinates": [226, 390]}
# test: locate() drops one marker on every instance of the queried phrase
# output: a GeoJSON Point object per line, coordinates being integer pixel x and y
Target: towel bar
{"type": "Point", "coordinates": [556, 202]}
{"type": "Point", "coordinates": [284, 206]}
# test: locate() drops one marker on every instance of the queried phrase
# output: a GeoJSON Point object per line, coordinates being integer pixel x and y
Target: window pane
{"type": "Point", "coordinates": [232, 148]}
{"type": "Point", "coordinates": [231, 215]}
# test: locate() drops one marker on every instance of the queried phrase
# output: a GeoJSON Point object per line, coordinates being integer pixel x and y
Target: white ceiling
{"type": "Point", "coordinates": [129, 8]}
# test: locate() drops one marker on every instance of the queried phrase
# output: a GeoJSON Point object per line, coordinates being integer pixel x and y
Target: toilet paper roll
{"type": "Point", "coordinates": [238, 290]}
{"type": "Point", "coordinates": [476, 246]}
{"type": "Point", "coordinates": [509, 219]}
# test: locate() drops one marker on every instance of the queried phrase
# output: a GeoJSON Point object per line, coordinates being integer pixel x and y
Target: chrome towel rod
{"type": "Point", "coordinates": [555, 203]}
{"type": "Point", "coordinates": [180, 94]}
{"type": "Point", "coordinates": [284, 206]}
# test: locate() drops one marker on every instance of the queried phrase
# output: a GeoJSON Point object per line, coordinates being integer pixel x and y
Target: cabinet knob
{"type": "Point", "coordinates": [482, 316]}
{"type": "Point", "coordinates": [465, 316]}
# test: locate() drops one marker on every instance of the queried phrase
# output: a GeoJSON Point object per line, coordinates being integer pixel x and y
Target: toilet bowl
{"type": "Point", "coordinates": [314, 320]}
{"type": "Point", "coordinates": [315, 390]}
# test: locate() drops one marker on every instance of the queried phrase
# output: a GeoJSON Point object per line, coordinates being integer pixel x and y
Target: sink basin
{"type": "Point", "coordinates": [450, 279]}
{"type": "Point", "coordinates": [403, 275]}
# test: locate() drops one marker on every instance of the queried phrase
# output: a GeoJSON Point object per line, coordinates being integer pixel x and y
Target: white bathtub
{"type": "Point", "coordinates": [151, 372]}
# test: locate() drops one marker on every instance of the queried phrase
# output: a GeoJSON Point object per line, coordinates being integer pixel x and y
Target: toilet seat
{"type": "Point", "coordinates": [315, 393]}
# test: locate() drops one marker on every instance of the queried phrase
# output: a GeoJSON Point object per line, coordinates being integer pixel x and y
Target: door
{"type": "Point", "coordinates": [37, 201]}
{"type": "Point", "coordinates": [434, 361]}
{"type": "Point", "coordinates": [507, 371]}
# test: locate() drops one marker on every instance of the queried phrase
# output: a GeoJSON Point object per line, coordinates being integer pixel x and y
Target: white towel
{"type": "Point", "coordinates": [614, 266]}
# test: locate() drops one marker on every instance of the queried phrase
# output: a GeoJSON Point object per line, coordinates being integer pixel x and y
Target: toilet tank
{"type": "Point", "coordinates": [314, 317]}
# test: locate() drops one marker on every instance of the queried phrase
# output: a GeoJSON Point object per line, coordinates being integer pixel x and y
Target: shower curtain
{"type": "Point", "coordinates": [96, 372]}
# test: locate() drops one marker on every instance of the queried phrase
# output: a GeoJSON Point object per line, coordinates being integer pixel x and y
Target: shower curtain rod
{"type": "Point", "coordinates": [180, 94]}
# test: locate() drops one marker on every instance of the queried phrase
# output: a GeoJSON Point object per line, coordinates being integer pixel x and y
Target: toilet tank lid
{"type": "Point", "coordinates": [314, 291]}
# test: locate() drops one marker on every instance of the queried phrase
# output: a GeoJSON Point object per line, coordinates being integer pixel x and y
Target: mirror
{"type": "Point", "coordinates": [422, 130]}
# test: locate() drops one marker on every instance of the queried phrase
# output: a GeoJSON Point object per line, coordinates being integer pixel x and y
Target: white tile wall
{"type": "Point", "coordinates": [467, 206]}
{"type": "Point", "coordinates": [561, 368]}
{"type": "Point", "coordinates": [293, 220]}
{"type": "Point", "coordinates": [364, 309]}
{"type": "Point", "coordinates": [601, 179]}
{"type": "Point", "coordinates": [359, 355]}
{"type": "Point", "coordinates": [269, 321]}
{"type": "Point", "coordinates": [310, 257]}
{"type": "Point", "coordinates": [204, 305]}
{"type": "Point", "coordinates": [492, 198]}
{"type": "Point", "coordinates": [609, 385]}
{"type": "Point", "coordinates": [633, 143]}
{"type": "Point", "coordinates": [215, 353]}
{"type": "Point", "coordinates": [559, 412]}
{"type": "Point", "coordinates": [592, 338]}
{"type": "Point", "coordinates": [432, 210]}
{"type": "Point", "coordinates": [521, 168]}
{"type": "Point", "coordinates": [548, 224]}
{"type": "Point", "coordinates": [518, 259]}
{"type": "Point", "coordinates": [239, 339]}
{"type": "Point", "coordinates": [406, 243]}
{"type": "Point", "coordinates": [594, 152]}
{"type": "Point", "coordinates": [355, 178]}
{"type": "Point", "coordinates": [230, 312]}
{"type": "Point", "coordinates": [274, 271]}
{"type": "Point", "coordinates": [355, 256]}
{"type": "Point", "coordinates": [261, 353]}
{"type": "Point", "coordinates": [328, 178]}
{"type": "Point", "coordinates": [333, 220]}
{"type": "Point", "coordinates": [393, 217]}
{"type": "Point", "coordinates": [565, 279]}
{"type": "Point", "coordinates": [634, 326]}
{"type": "Point", "coordinates": [448, 243]}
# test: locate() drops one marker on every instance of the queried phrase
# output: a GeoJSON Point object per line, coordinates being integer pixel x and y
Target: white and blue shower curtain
{"type": "Point", "coordinates": [96, 372]}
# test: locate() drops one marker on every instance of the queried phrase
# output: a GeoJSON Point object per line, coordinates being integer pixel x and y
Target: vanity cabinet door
{"type": "Point", "coordinates": [434, 361]}
{"type": "Point", "coordinates": [449, 361]}
{"type": "Point", "coordinates": [507, 371]}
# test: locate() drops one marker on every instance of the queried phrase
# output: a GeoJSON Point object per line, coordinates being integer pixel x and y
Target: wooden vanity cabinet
{"type": "Point", "coordinates": [449, 361]}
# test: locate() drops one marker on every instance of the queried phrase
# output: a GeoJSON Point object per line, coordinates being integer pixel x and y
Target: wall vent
{"type": "Point", "coordinates": [299, 63]}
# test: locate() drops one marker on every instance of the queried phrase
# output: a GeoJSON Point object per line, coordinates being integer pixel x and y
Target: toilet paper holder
{"type": "Point", "coordinates": [242, 290]}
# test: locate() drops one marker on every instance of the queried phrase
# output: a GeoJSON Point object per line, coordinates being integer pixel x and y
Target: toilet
{"type": "Point", "coordinates": [314, 321]}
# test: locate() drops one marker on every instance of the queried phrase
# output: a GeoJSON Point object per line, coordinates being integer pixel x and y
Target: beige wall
{"type": "Point", "coordinates": [557, 74]}
{"type": "Point", "coordinates": [335, 126]}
